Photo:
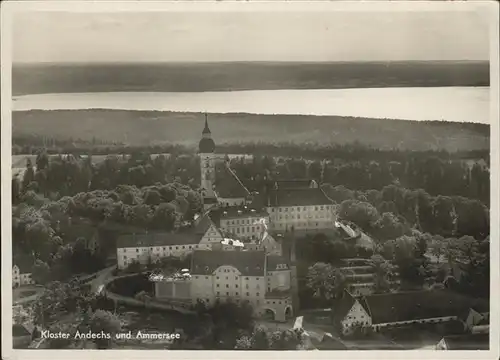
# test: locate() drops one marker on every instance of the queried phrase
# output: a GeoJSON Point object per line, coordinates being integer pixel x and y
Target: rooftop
{"type": "Point", "coordinates": [273, 262]}
{"type": "Point", "coordinates": [294, 183]}
{"type": "Point", "coordinates": [415, 305]}
{"type": "Point", "coordinates": [298, 197]}
{"type": "Point", "coordinates": [228, 185]}
{"type": "Point", "coordinates": [468, 342]}
{"type": "Point", "coordinates": [158, 239]}
{"type": "Point", "coordinates": [249, 263]}
{"type": "Point", "coordinates": [229, 212]}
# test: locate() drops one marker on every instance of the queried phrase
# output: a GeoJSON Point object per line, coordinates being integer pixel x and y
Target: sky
{"type": "Point", "coordinates": [259, 36]}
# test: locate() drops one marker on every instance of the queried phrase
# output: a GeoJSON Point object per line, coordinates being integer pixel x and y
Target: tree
{"type": "Point", "coordinates": [382, 270]}
{"type": "Point", "coordinates": [326, 281]}
{"type": "Point", "coordinates": [106, 322]}
{"type": "Point", "coordinates": [362, 214]}
{"type": "Point", "coordinates": [41, 272]}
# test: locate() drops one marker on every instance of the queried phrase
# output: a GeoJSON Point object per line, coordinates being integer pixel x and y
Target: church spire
{"type": "Point", "coordinates": [206, 130]}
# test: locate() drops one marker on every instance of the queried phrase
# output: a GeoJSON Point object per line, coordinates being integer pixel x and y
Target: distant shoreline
{"type": "Point", "coordinates": [232, 76]}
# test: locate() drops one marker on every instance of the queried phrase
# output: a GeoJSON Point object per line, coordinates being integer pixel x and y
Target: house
{"type": "Point", "coordinates": [21, 271]}
{"type": "Point", "coordinates": [428, 306]}
{"type": "Point", "coordinates": [306, 210]}
{"type": "Point", "coordinates": [151, 247]}
{"type": "Point", "coordinates": [465, 342]}
{"type": "Point", "coordinates": [383, 311]}
{"type": "Point", "coordinates": [242, 221]}
{"type": "Point", "coordinates": [236, 276]}
{"type": "Point", "coordinates": [350, 313]}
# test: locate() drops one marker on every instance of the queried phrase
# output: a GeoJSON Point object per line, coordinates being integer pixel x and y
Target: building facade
{"type": "Point", "coordinates": [22, 271]}
{"type": "Point", "coordinates": [238, 276]}
{"type": "Point", "coordinates": [384, 311]}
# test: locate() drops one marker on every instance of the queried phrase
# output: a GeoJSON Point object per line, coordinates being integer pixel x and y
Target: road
{"type": "Point", "coordinates": [103, 276]}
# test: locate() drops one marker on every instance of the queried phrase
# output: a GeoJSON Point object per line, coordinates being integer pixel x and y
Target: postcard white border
{"type": "Point", "coordinates": [488, 8]}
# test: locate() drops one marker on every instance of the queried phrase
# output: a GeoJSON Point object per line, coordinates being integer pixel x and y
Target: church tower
{"type": "Point", "coordinates": [207, 163]}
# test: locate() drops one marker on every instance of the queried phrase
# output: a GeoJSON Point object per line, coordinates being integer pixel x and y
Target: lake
{"type": "Point", "coordinates": [469, 104]}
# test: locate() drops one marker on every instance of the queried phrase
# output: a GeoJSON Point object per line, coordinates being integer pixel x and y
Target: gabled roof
{"type": "Point", "coordinates": [468, 342]}
{"type": "Point", "coordinates": [158, 239]}
{"type": "Point", "coordinates": [249, 263]}
{"type": "Point", "coordinates": [234, 212]}
{"type": "Point", "coordinates": [228, 185]}
{"type": "Point", "coordinates": [298, 197]}
{"type": "Point", "coordinates": [202, 224]}
{"type": "Point", "coordinates": [342, 306]}
{"type": "Point", "coordinates": [415, 305]}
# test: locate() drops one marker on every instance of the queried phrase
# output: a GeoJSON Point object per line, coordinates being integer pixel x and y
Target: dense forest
{"type": "Point", "coordinates": [67, 128]}
{"type": "Point", "coordinates": [386, 199]}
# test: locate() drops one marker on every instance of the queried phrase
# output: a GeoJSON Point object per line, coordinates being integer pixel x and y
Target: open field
{"type": "Point", "coordinates": [155, 127]}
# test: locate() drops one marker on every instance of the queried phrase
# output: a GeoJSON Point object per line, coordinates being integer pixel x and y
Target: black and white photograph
{"type": "Point", "coordinates": [244, 176]}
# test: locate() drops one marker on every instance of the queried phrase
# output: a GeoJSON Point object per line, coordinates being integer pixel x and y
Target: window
{"type": "Point", "coordinates": [227, 286]}
{"type": "Point", "coordinates": [217, 278]}
{"type": "Point", "coordinates": [247, 286]}
{"type": "Point", "coordinates": [258, 267]}
{"type": "Point", "coordinates": [227, 277]}
{"type": "Point", "coordinates": [206, 277]}
{"type": "Point", "coordinates": [257, 294]}
{"type": "Point", "coordinates": [227, 294]}
{"type": "Point", "coordinates": [125, 258]}
{"type": "Point", "coordinates": [246, 278]}
{"type": "Point", "coordinates": [235, 278]}
{"type": "Point", "coordinates": [236, 285]}
{"type": "Point", "coordinates": [236, 293]}
{"type": "Point", "coordinates": [248, 294]}
{"type": "Point", "coordinates": [298, 209]}
{"type": "Point", "coordinates": [217, 285]}
{"type": "Point", "coordinates": [176, 248]}
{"type": "Point", "coordinates": [218, 293]}
{"type": "Point", "coordinates": [136, 250]}
{"type": "Point", "coordinates": [183, 247]}
{"type": "Point", "coordinates": [164, 248]}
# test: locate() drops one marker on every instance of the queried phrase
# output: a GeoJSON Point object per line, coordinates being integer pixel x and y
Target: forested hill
{"type": "Point", "coordinates": [138, 128]}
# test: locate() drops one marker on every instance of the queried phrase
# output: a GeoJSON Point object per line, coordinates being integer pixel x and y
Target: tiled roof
{"type": "Point", "coordinates": [342, 306]}
{"type": "Point", "coordinates": [415, 305]}
{"type": "Point", "coordinates": [202, 224]}
{"type": "Point", "coordinates": [158, 239]}
{"type": "Point", "coordinates": [249, 263]}
{"type": "Point", "coordinates": [468, 342]}
{"type": "Point", "coordinates": [273, 261]}
{"type": "Point", "coordinates": [298, 197]}
{"type": "Point", "coordinates": [228, 185]}
{"type": "Point", "coordinates": [230, 212]}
